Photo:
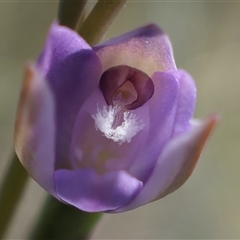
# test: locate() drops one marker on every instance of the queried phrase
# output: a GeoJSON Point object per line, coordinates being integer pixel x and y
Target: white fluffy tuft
{"type": "Point", "coordinates": [107, 120]}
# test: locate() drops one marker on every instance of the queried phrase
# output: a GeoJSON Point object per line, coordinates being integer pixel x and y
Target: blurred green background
{"type": "Point", "coordinates": [206, 41]}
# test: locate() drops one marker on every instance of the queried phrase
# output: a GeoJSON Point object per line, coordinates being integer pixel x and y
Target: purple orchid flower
{"type": "Point", "coordinates": [109, 128]}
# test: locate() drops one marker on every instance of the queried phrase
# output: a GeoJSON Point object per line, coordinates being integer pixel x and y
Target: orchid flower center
{"type": "Point", "coordinates": [116, 77]}
{"type": "Point", "coordinates": [124, 89]}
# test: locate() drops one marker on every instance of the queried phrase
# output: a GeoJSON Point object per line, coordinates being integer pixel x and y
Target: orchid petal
{"type": "Point", "coordinates": [35, 129]}
{"type": "Point", "coordinates": [65, 53]}
{"type": "Point", "coordinates": [186, 101]}
{"type": "Point", "coordinates": [147, 48]}
{"type": "Point", "coordinates": [162, 111]}
{"type": "Point", "coordinates": [93, 192]}
{"type": "Point", "coordinates": [175, 164]}
{"type": "Point", "coordinates": [91, 148]}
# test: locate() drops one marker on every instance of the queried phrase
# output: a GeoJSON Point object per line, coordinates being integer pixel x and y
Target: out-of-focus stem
{"type": "Point", "coordinates": [10, 192]}
{"type": "Point", "coordinates": [100, 19]}
{"type": "Point", "coordinates": [70, 11]}
{"type": "Point", "coordinates": [61, 221]}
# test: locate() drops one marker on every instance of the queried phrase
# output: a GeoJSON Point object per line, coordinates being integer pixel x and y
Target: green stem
{"type": "Point", "coordinates": [70, 11]}
{"type": "Point", "coordinates": [11, 191]}
{"type": "Point", "coordinates": [61, 221]}
{"type": "Point", "coordinates": [100, 19]}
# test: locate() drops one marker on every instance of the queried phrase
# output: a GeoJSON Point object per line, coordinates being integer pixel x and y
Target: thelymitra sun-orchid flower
{"type": "Point", "coordinates": [109, 128]}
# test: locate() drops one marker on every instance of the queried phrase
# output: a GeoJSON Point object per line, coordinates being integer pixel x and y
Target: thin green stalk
{"type": "Point", "coordinates": [70, 11]}
{"type": "Point", "coordinates": [100, 19]}
{"type": "Point", "coordinates": [11, 191]}
{"type": "Point", "coordinates": [61, 221]}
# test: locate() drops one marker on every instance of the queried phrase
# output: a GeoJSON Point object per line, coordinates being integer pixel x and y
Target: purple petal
{"type": "Point", "coordinates": [93, 192]}
{"type": "Point", "coordinates": [147, 48]}
{"type": "Point", "coordinates": [186, 101]}
{"type": "Point", "coordinates": [73, 71]}
{"type": "Point", "coordinates": [35, 129]}
{"type": "Point", "coordinates": [162, 110]}
{"type": "Point", "coordinates": [175, 164]}
{"type": "Point", "coordinates": [92, 149]}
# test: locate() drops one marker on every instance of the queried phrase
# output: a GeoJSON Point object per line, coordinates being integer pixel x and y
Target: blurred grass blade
{"type": "Point", "coordinates": [11, 191]}
{"type": "Point", "coordinates": [70, 11]}
{"type": "Point", "coordinates": [61, 221]}
{"type": "Point", "coordinates": [100, 19]}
